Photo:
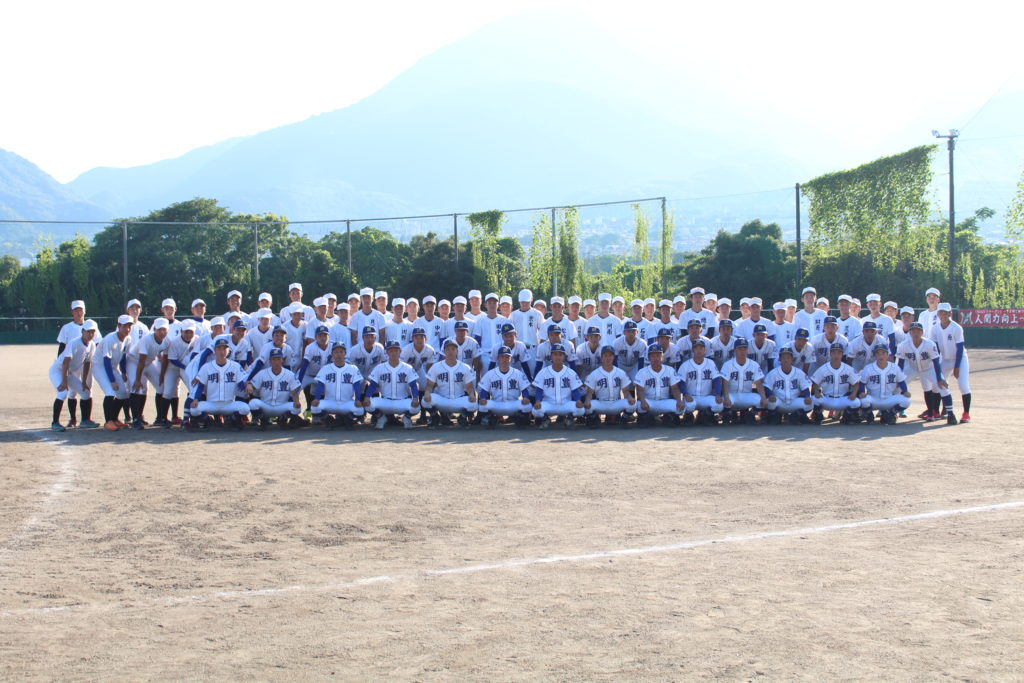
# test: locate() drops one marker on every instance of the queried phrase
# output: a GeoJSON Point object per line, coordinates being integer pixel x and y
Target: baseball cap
{"type": "Point", "coordinates": [277, 329]}
{"type": "Point", "coordinates": [397, 301]}
{"type": "Point", "coordinates": [459, 300]}
{"type": "Point", "coordinates": [558, 347]}
{"type": "Point", "coordinates": [276, 353]}
{"type": "Point", "coordinates": [695, 321]}
{"type": "Point", "coordinates": [353, 295]}
{"type": "Point", "coordinates": [234, 292]}
{"type": "Point", "coordinates": [725, 322]}
{"type": "Point", "coordinates": [855, 300]}
{"type": "Point", "coordinates": [221, 341]}
{"type": "Point", "coordinates": [831, 319]}
{"type": "Point", "coordinates": [369, 329]}
{"type": "Point", "coordinates": [604, 296]}
{"type": "Point", "coordinates": [198, 302]}
{"type": "Point", "coordinates": [296, 307]}
{"type": "Point", "coordinates": [664, 302]}
{"type": "Point", "coordinates": [740, 342]}
{"type": "Point", "coordinates": [664, 332]}
{"type": "Point", "coordinates": [812, 290]}
{"type": "Point", "coordinates": [461, 325]}
{"type": "Point", "coordinates": [135, 302]}
{"type": "Point", "coordinates": [392, 344]}
{"type": "Point", "coordinates": [759, 328]}
{"type": "Point", "coordinates": [654, 348]}
{"type": "Point", "coordinates": [187, 325]}
{"type": "Point", "coordinates": [474, 293]}
{"type": "Point", "coordinates": [444, 302]}
{"type": "Point", "coordinates": [295, 285]}
{"type": "Point", "coordinates": [607, 349]}
{"type": "Point", "coordinates": [451, 342]}
{"type": "Point", "coordinates": [217, 321]}
{"type": "Point", "coordinates": [678, 299]}
{"type": "Point", "coordinates": [557, 300]}
{"type": "Point", "coordinates": [629, 325]}
{"type": "Point", "coordinates": [160, 324]}
{"type": "Point", "coordinates": [590, 330]}
{"type": "Point", "coordinates": [711, 296]}
{"type": "Point", "coordinates": [803, 333]}
{"type": "Point", "coordinates": [380, 295]}
{"type": "Point", "coordinates": [907, 309]}
{"type": "Point", "coordinates": [90, 325]}
{"type": "Point", "coordinates": [890, 304]}
{"type": "Point", "coordinates": [932, 290]}
{"type": "Point", "coordinates": [589, 302]}
{"type": "Point", "coordinates": [649, 301]}
{"type": "Point", "coordinates": [618, 300]}
{"type": "Point", "coordinates": [699, 341]}
{"type": "Point", "coordinates": [696, 290]}
{"type": "Point", "coordinates": [756, 301]}
{"type": "Point", "coordinates": [846, 297]}
{"type": "Point", "coordinates": [77, 303]}
{"type": "Point", "coordinates": [343, 306]}
{"type": "Point", "coordinates": [575, 299]}
{"type": "Point", "coordinates": [873, 297]}
{"type": "Point", "coordinates": [264, 296]}
{"type": "Point", "coordinates": [789, 303]}
{"type": "Point", "coordinates": [835, 345]}
{"type": "Point", "coordinates": [502, 350]}
{"type": "Point", "coordinates": [417, 331]}
{"type": "Point", "coordinates": [821, 300]}
{"type": "Point", "coordinates": [725, 301]}
{"type": "Point", "coordinates": [338, 345]}
{"type": "Point", "coordinates": [505, 300]}
{"type": "Point", "coordinates": [265, 313]}
{"type": "Point", "coordinates": [786, 349]}
{"type": "Point", "coordinates": [490, 295]}
{"type": "Point", "coordinates": [525, 295]}
{"type": "Point", "coordinates": [331, 295]}
{"type": "Point", "coordinates": [322, 329]}
{"type": "Point", "coordinates": [429, 299]}
{"type": "Point", "coordinates": [366, 291]}
{"type": "Point", "coordinates": [320, 301]}
{"type": "Point", "coordinates": [507, 327]}
{"type": "Point", "coordinates": [870, 325]}
{"type": "Point", "coordinates": [778, 306]}
{"type": "Point", "coordinates": [916, 326]}
{"type": "Point", "coordinates": [881, 347]}
{"type": "Point", "coordinates": [239, 323]}
{"type": "Point", "coordinates": [745, 300]}
{"type": "Point", "coordinates": [555, 329]}
{"type": "Point", "coordinates": [945, 307]}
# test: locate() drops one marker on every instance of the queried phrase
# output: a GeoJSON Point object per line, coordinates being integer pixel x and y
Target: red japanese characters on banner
{"type": "Point", "coordinates": [992, 317]}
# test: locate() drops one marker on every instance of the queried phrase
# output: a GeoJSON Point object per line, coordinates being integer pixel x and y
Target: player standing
{"type": "Point", "coordinates": [69, 375]}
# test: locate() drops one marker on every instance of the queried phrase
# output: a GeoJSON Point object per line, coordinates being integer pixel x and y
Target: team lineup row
{"type": "Point", "coordinates": [691, 358]}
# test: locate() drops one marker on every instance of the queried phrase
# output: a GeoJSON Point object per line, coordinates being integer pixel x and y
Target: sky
{"type": "Point", "coordinates": [112, 83]}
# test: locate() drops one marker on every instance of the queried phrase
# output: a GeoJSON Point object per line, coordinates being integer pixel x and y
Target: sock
{"type": "Point", "coordinates": [110, 408]}
{"type": "Point", "coordinates": [929, 401]}
{"type": "Point", "coordinates": [86, 409]}
{"type": "Point", "coordinates": [174, 407]}
{"type": "Point", "coordinates": [58, 404]}
{"type": "Point", "coordinates": [125, 407]}
{"type": "Point", "coordinates": [142, 404]}
{"type": "Point", "coordinates": [73, 409]}
{"type": "Point", "coordinates": [947, 403]}
{"type": "Point", "coordinates": [135, 401]}
{"type": "Point", "coordinates": [966, 398]}
{"type": "Point", "coordinates": [161, 408]}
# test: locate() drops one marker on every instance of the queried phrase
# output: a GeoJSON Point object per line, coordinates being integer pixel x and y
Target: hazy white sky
{"type": "Point", "coordinates": [117, 83]}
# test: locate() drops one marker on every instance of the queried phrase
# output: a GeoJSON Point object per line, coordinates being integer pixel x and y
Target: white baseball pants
{"type": "Point", "coordinates": [451, 405]}
{"type": "Point", "coordinates": [338, 408]}
{"type": "Point", "coordinates": [220, 408]}
{"type": "Point", "coordinates": [965, 374]}
{"type": "Point", "coordinates": [75, 388]}
{"type": "Point", "coordinates": [548, 408]}
{"type": "Point", "coordinates": [273, 410]}
{"type": "Point", "coordinates": [150, 375]}
{"type": "Point", "coordinates": [663, 406]}
{"type": "Point", "coordinates": [745, 400]}
{"type": "Point", "coordinates": [611, 407]}
{"type": "Point", "coordinates": [504, 407]}
{"type": "Point", "coordinates": [836, 403]}
{"type": "Point", "coordinates": [392, 406]}
{"type": "Point", "coordinates": [928, 380]}
{"type": "Point", "coordinates": [896, 401]}
{"type": "Point", "coordinates": [117, 389]}
{"type": "Point", "coordinates": [707, 403]}
{"type": "Point", "coordinates": [788, 405]}
{"type": "Point", "coordinates": [172, 377]}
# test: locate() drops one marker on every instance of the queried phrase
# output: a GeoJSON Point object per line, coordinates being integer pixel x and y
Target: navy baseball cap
{"type": "Point", "coordinates": [740, 341]}
{"type": "Point", "coordinates": [220, 341]}
{"type": "Point", "coordinates": [558, 330]}
{"type": "Point", "coordinates": [786, 349]}
{"type": "Point", "coordinates": [629, 325]}
{"type": "Point", "coordinates": [369, 330]}
{"type": "Point", "coordinates": [416, 331]}
{"type": "Point", "coordinates": [338, 345]}
{"type": "Point", "coordinates": [725, 322]}
{"type": "Point", "coordinates": [279, 329]}
{"type": "Point", "coordinates": [831, 319]}
{"type": "Point", "coordinates": [504, 351]}
{"type": "Point", "coordinates": [322, 329]}
{"type": "Point", "coordinates": [871, 325]}
{"type": "Point", "coordinates": [450, 342]}
{"type": "Point", "coordinates": [276, 353]}
{"type": "Point", "coordinates": [836, 345]}
{"type": "Point", "coordinates": [607, 349]}
{"type": "Point", "coordinates": [760, 328]}
{"type": "Point", "coordinates": [593, 330]}
{"type": "Point", "coordinates": [654, 348]}
{"type": "Point", "coordinates": [916, 326]}
{"type": "Point", "coordinates": [803, 333]}
{"type": "Point", "coordinates": [507, 327]}
{"type": "Point", "coordinates": [461, 325]}
{"type": "Point", "coordinates": [558, 347]}
{"type": "Point", "coordinates": [239, 323]}
{"type": "Point", "coordinates": [664, 332]}
{"type": "Point", "coordinates": [695, 321]}
{"type": "Point", "coordinates": [699, 341]}
{"type": "Point", "coordinates": [880, 347]}
{"type": "Point", "coordinates": [392, 344]}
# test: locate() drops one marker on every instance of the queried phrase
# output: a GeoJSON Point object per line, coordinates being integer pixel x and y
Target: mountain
{"type": "Point", "coordinates": [28, 192]}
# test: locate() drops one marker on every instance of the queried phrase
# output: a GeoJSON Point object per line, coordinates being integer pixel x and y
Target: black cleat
{"type": "Point", "coordinates": [951, 418]}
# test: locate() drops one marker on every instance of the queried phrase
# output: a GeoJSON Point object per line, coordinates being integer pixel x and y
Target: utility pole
{"type": "Point", "coordinates": [950, 139]}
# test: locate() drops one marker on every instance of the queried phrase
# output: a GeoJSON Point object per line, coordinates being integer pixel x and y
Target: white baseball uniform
{"type": "Point", "coordinates": [883, 387]}
{"type": "Point", "coordinates": [608, 386]}
{"type": "Point", "coordinates": [740, 379]}
{"type": "Point", "coordinates": [273, 397]}
{"type": "Point", "coordinates": [338, 388]}
{"type": "Point", "coordinates": [699, 382]}
{"type": "Point", "coordinates": [787, 391]}
{"type": "Point", "coordinates": [557, 392]}
{"type": "Point", "coordinates": [449, 393]}
{"type": "Point", "coordinates": [79, 354]}
{"type": "Point", "coordinates": [836, 384]}
{"type": "Point", "coordinates": [503, 392]}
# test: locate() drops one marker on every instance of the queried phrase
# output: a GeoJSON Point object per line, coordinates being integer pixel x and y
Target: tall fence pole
{"type": "Point", "coordinates": [124, 260]}
{"type": "Point", "coordinates": [455, 231]}
{"type": "Point", "coordinates": [665, 249]}
{"type": "Point", "coordinates": [554, 256]}
{"type": "Point", "coordinates": [799, 252]}
{"type": "Point", "coordinates": [256, 254]}
{"type": "Point", "coordinates": [348, 233]}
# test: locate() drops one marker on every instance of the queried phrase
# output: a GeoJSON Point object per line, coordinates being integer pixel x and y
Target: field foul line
{"type": "Point", "coordinates": [67, 463]}
{"type": "Point", "coordinates": [520, 562]}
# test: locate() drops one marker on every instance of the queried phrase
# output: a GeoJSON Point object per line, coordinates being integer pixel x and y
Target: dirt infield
{"type": "Point", "coordinates": [469, 555]}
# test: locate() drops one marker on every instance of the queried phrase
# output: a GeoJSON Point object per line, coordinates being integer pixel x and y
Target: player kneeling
{"type": "Point", "coordinates": [450, 388]}
{"type": "Point", "coordinates": [743, 386]}
{"type": "Point", "coordinates": [275, 391]}
{"type": "Point", "coordinates": [657, 389]}
{"type": "Point", "coordinates": [216, 389]}
{"type": "Point", "coordinates": [338, 391]}
{"type": "Point", "coordinates": [883, 388]}
{"type": "Point", "coordinates": [836, 386]}
{"type": "Point", "coordinates": [557, 391]}
{"type": "Point", "coordinates": [504, 392]}
{"type": "Point", "coordinates": [788, 389]}
{"type": "Point", "coordinates": [606, 391]}
{"type": "Point", "coordinates": [701, 384]}
{"type": "Point", "coordinates": [396, 382]}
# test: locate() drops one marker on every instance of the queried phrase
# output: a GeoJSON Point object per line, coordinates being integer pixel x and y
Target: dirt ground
{"type": "Point", "coordinates": [310, 555]}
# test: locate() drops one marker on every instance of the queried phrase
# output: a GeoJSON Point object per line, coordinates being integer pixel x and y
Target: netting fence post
{"type": "Point", "coordinates": [256, 254]}
{"type": "Point", "coordinates": [124, 260]}
{"type": "Point", "coordinates": [348, 235]}
{"type": "Point", "coordinates": [799, 251]}
{"type": "Point", "coordinates": [665, 249]}
{"type": "Point", "coordinates": [455, 232]}
{"type": "Point", "coordinates": [554, 255]}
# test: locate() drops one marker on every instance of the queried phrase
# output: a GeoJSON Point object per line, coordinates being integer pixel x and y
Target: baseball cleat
{"type": "Point", "coordinates": [89, 424]}
{"type": "Point", "coordinates": [137, 424]}
{"type": "Point", "coordinates": [380, 422]}
{"type": "Point", "coordinates": [966, 417]}
{"type": "Point", "coordinates": [111, 426]}
{"type": "Point", "coordinates": [406, 422]}
{"type": "Point", "coordinates": [925, 415]}
{"type": "Point", "coordinates": [176, 421]}
{"type": "Point", "coordinates": [56, 427]}
{"type": "Point", "coordinates": [72, 424]}
{"type": "Point", "coordinates": [543, 423]}
{"type": "Point", "coordinates": [950, 418]}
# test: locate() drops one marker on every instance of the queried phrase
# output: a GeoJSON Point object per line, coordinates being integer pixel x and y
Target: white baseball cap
{"type": "Point", "coordinates": [890, 304]}
{"type": "Point", "coordinates": [778, 306]}
{"type": "Point", "coordinates": [474, 292]}
{"type": "Point", "coordinates": [812, 290]}
{"type": "Point", "coordinates": [945, 307]}
{"type": "Point", "coordinates": [856, 301]}
{"type": "Point", "coordinates": [790, 303]}
{"type": "Point", "coordinates": [575, 300]}
{"type": "Point", "coordinates": [505, 300]}
{"type": "Point", "coordinates": [161, 324]}
{"type": "Point", "coordinates": [679, 299]}
{"type": "Point", "coordinates": [604, 296]}
{"type": "Point", "coordinates": [125, 319]}
{"type": "Point", "coordinates": [198, 302]}
{"type": "Point", "coordinates": [846, 297]}
{"type": "Point", "coordinates": [234, 292]}
{"type": "Point", "coordinates": [712, 296]}
{"type": "Point", "coordinates": [429, 299]}
{"type": "Point", "coordinates": [77, 303]}
{"type": "Point", "coordinates": [932, 290]}
{"type": "Point", "coordinates": [745, 300]}
{"type": "Point", "coordinates": [265, 313]}
{"type": "Point", "coordinates": [756, 301]}
{"type": "Point", "coordinates": [618, 300]}
{"type": "Point", "coordinates": [664, 302]}
{"type": "Point", "coordinates": [90, 325]}
{"type": "Point", "coordinates": [873, 297]}
{"type": "Point", "coordinates": [134, 302]}
{"type": "Point", "coordinates": [331, 295]}
{"type": "Point", "coordinates": [649, 301]}
{"type": "Point", "coordinates": [725, 301]}
{"type": "Point", "coordinates": [490, 295]}
{"type": "Point", "coordinates": [217, 321]}
{"type": "Point", "coordinates": [353, 295]}
{"type": "Point", "coordinates": [343, 307]}
{"type": "Point", "coordinates": [232, 314]}
{"type": "Point", "coordinates": [525, 295]}
{"type": "Point", "coordinates": [444, 302]}
{"type": "Point", "coordinates": [636, 302]}
{"type": "Point", "coordinates": [295, 285]}
{"type": "Point", "coordinates": [822, 300]}
{"type": "Point", "coordinates": [397, 301]}
{"type": "Point", "coordinates": [265, 296]}
{"type": "Point", "coordinates": [296, 307]}
{"type": "Point", "coordinates": [187, 325]}
{"type": "Point", "coordinates": [557, 300]}
{"type": "Point", "coordinates": [320, 301]}
{"type": "Point", "coordinates": [380, 295]}
{"type": "Point", "coordinates": [540, 302]}
{"type": "Point", "coordinates": [366, 291]}
{"type": "Point", "coordinates": [459, 300]}
{"type": "Point", "coordinates": [589, 302]}
{"type": "Point", "coordinates": [696, 290]}
{"type": "Point", "coordinates": [907, 309]}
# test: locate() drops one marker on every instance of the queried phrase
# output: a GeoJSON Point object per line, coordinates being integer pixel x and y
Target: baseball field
{"type": "Point", "coordinates": [741, 552]}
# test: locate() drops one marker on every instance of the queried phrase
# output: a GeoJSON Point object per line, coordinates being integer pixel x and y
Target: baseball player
{"type": "Point", "coordinates": [810, 318]}
{"type": "Point", "coordinates": [317, 355]}
{"type": "Point", "coordinates": [578, 321]}
{"type": "Point", "coordinates": [380, 302]}
{"type": "Point", "coordinates": [241, 348]}
{"type": "Point", "coordinates": [169, 309]}
{"type": "Point", "coordinates": [432, 324]}
{"type": "Point", "coordinates": [861, 351]}
{"type": "Point", "coordinates": [785, 330]}
{"type": "Point", "coordinates": [684, 346]}
{"type": "Point", "coordinates": [883, 388]}
{"type": "Point", "coordinates": [234, 300]}
{"type": "Point", "coordinates": [365, 317]}
{"type": "Point", "coordinates": [630, 350]}
{"type": "Point", "coordinates": [451, 388]}
{"type": "Point", "coordinates": [295, 326]}
{"type": "Point", "coordinates": [696, 311]}
{"type": "Point", "coordinates": [275, 392]}
{"type": "Point", "coordinates": [557, 391]}
{"type": "Point", "coordinates": [949, 338]}
{"type": "Point", "coordinates": [139, 330]}
{"type": "Point", "coordinates": [528, 321]}
{"type": "Point", "coordinates": [264, 305]}
{"type": "Point", "coordinates": [458, 315]}
{"type": "Point", "coordinates": [278, 340]}
{"type": "Point", "coordinates": [762, 349]}
{"type": "Point", "coordinates": [803, 352]}
{"type": "Point", "coordinates": [143, 367]}
{"type": "Point", "coordinates": [883, 323]}
{"type": "Point", "coordinates": [745, 328]}
{"type": "Point", "coordinates": [608, 324]}
{"type": "Point", "coordinates": [930, 315]}
{"type": "Point", "coordinates": [398, 328]}
{"type": "Point", "coordinates": [338, 393]}
{"type": "Point", "coordinates": [559, 319]}
{"type": "Point", "coordinates": [701, 386]}
{"type": "Point", "coordinates": [657, 390]}
{"type": "Point", "coordinates": [671, 354]}
{"type": "Point", "coordinates": [743, 386]}
{"type": "Point", "coordinates": [397, 386]}
{"type": "Point", "coordinates": [469, 350]}
{"type": "Point", "coordinates": [919, 357]}
{"type": "Point", "coordinates": [788, 389]}
{"type": "Point", "coordinates": [295, 302]}
{"type": "Point", "coordinates": [369, 354]}
{"type": "Point", "coordinates": [173, 363]}
{"type": "Point", "coordinates": [607, 391]}
{"type": "Point", "coordinates": [720, 349]}
{"type": "Point", "coordinates": [835, 386]}
{"type": "Point", "coordinates": [823, 343]}
{"type": "Point", "coordinates": [520, 354]}
{"type": "Point", "coordinates": [678, 306]}
{"type": "Point", "coordinates": [217, 387]}
{"type": "Point", "coordinates": [849, 324]}
{"type": "Point", "coordinates": [474, 311]}
{"type": "Point", "coordinates": [487, 328]}
{"type": "Point", "coordinates": [69, 375]}
{"type": "Point", "coordinates": [72, 330]}
{"type": "Point", "coordinates": [260, 331]}
{"type": "Point", "coordinates": [112, 378]}
{"type": "Point", "coordinates": [199, 316]}
{"type": "Point", "coordinates": [587, 357]}
{"type": "Point", "coordinates": [419, 354]}
{"type": "Point", "coordinates": [504, 391]}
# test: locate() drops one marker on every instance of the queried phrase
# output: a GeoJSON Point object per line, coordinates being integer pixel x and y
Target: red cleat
{"type": "Point", "coordinates": [966, 417]}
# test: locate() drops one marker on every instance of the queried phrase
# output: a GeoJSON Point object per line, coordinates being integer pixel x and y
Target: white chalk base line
{"type": "Point", "coordinates": [520, 562]}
